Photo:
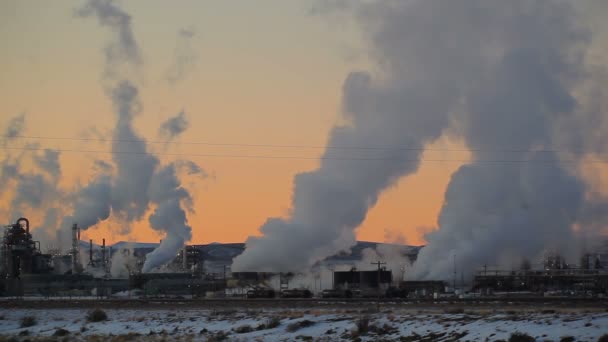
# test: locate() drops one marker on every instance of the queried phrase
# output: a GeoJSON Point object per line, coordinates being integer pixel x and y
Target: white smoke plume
{"type": "Point", "coordinates": [503, 75]}
{"type": "Point", "coordinates": [392, 257]}
{"type": "Point", "coordinates": [406, 106]}
{"type": "Point", "coordinates": [137, 181]}
{"type": "Point", "coordinates": [500, 214]}
{"type": "Point", "coordinates": [123, 262]}
{"type": "Point", "coordinates": [168, 216]}
{"type": "Point", "coordinates": [124, 189]}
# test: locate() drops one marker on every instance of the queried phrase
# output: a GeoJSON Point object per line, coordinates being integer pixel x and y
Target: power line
{"type": "Point", "coordinates": [330, 147]}
{"type": "Point", "coordinates": [190, 155]}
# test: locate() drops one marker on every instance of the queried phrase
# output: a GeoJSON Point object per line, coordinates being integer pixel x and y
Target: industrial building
{"type": "Point", "coordinates": [26, 271]}
{"type": "Point", "coordinates": [573, 281]}
{"type": "Point", "coordinates": [86, 269]}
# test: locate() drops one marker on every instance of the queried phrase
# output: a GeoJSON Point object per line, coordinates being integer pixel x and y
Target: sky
{"type": "Point", "coordinates": [256, 74]}
{"type": "Point", "coordinates": [265, 73]}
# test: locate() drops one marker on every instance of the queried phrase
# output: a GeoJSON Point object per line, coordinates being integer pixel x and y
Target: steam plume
{"type": "Point", "coordinates": [502, 74]}
{"type": "Point", "coordinates": [406, 107]}
{"type": "Point", "coordinates": [122, 51]}
{"type": "Point", "coordinates": [498, 215]}
{"type": "Point", "coordinates": [137, 180]}
{"type": "Point", "coordinates": [174, 126]}
{"type": "Point", "coordinates": [168, 217]}
{"type": "Point", "coordinates": [14, 128]}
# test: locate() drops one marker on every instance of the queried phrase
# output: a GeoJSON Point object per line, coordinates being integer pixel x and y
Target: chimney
{"type": "Point", "coordinates": [91, 252]}
{"type": "Point", "coordinates": [75, 251]}
{"type": "Point", "coordinates": [103, 252]}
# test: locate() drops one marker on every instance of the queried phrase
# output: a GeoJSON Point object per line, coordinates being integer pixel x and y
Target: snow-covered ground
{"type": "Point", "coordinates": [303, 324]}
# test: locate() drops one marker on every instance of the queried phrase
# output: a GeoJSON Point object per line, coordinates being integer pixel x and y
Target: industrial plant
{"type": "Point", "coordinates": [204, 271]}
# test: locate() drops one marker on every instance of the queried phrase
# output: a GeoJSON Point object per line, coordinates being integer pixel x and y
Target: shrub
{"type": "Point", "coordinates": [454, 311]}
{"type": "Point", "coordinates": [521, 337]}
{"type": "Point", "coordinates": [243, 329]}
{"type": "Point", "coordinates": [273, 322]}
{"type": "Point", "coordinates": [61, 332]}
{"type": "Point", "coordinates": [28, 321]}
{"type": "Point", "coordinates": [603, 338]}
{"type": "Point", "coordinates": [385, 329]}
{"type": "Point", "coordinates": [363, 325]}
{"type": "Point", "coordinates": [567, 339]}
{"type": "Point", "coordinates": [218, 336]}
{"type": "Point", "coordinates": [97, 315]}
{"type": "Point", "coordinates": [293, 327]}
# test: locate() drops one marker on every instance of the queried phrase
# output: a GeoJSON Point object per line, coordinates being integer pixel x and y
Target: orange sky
{"type": "Point", "coordinates": [252, 83]}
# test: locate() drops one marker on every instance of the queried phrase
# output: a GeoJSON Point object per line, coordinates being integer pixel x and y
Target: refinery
{"type": "Point", "coordinates": [204, 271]}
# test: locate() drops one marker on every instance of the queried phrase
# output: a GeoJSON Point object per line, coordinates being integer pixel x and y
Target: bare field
{"type": "Point", "coordinates": [288, 320]}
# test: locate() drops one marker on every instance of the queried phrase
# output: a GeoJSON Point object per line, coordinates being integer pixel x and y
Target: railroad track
{"type": "Point", "coordinates": [286, 303]}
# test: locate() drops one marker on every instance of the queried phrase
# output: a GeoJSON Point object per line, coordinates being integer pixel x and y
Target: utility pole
{"type": "Point", "coordinates": [379, 263]}
{"type": "Point", "coordinates": [454, 279]}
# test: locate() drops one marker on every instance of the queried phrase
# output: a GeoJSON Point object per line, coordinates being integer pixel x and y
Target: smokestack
{"type": "Point", "coordinates": [75, 250]}
{"type": "Point", "coordinates": [103, 253]}
{"type": "Point", "coordinates": [91, 252]}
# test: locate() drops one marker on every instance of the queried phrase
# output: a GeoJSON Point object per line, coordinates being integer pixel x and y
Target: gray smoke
{"type": "Point", "coordinates": [174, 126]}
{"type": "Point", "coordinates": [184, 56]}
{"type": "Point", "coordinates": [134, 170]}
{"type": "Point", "coordinates": [499, 214]}
{"type": "Point", "coordinates": [124, 191]}
{"type": "Point", "coordinates": [500, 73]}
{"type": "Point", "coordinates": [36, 186]}
{"type": "Point", "coordinates": [14, 128]}
{"type": "Point", "coordinates": [9, 168]}
{"type": "Point", "coordinates": [49, 162]}
{"type": "Point", "coordinates": [136, 180]}
{"type": "Point", "coordinates": [29, 178]}
{"type": "Point", "coordinates": [122, 51]}
{"type": "Point", "coordinates": [34, 190]}
{"type": "Point", "coordinates": [405, 107]}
